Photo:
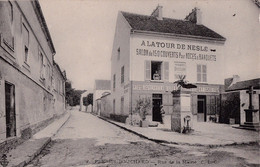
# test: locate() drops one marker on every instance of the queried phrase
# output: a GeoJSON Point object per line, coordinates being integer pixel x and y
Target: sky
{"type": "Point", "coordinates": [83, 31]}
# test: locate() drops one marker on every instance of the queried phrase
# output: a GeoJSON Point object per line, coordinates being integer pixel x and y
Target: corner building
{"type": "Point", "coordinates": [151, 52]}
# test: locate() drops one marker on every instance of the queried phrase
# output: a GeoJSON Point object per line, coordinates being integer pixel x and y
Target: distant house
{"type": "Point", "coordinates": [31, 83]}
{"type": "Point", "coordinates": [236, 99]}
{"type": "Point", "coordinates": [100, 87]}
{"type": "Point", "coordinates": [59, 79]}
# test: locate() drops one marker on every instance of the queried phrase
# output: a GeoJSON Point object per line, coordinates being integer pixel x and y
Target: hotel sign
{"type": "Point", "coordinates": [169, 88]}
{"type": "Point", "coordinates": [176, 50]}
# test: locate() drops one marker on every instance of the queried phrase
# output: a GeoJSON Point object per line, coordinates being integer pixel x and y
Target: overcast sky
{"type": "Point", "coordinates": [83, 30]}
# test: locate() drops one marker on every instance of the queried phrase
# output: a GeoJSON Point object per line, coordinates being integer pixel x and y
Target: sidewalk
{"type": "Point", "coordinates": [205, 134]}
{"type": "Point", "coordinates": [28, 150]}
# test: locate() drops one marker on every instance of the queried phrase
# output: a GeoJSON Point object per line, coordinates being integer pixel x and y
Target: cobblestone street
{"type": "Point", "coordinates": [86, 140]}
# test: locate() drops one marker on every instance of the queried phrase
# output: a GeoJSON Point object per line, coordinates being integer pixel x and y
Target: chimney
{"type": "Point", "coordinates": [231, 81]}
{"type": "Point", "coordinates": [236, 79]}
{"type": "Point", "coordinates": [194, 16]}
{"type": "Point", "coordinates": [158, 13]}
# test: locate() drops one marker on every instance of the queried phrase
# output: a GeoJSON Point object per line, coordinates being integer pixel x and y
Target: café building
{"type": "Point", "coordinates": [151, 52]}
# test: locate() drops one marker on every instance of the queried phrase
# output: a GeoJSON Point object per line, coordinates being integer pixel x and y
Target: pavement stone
{"type": "Point", "coordinates": [205, 134]}
{"type": "Point", "coordinates": [28, 150]}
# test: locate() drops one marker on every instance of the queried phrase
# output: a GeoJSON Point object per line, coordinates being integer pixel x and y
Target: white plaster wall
{"type": "Point", "coordinates": [244, 104]}
{"type": "Point", "coordinates": [214, 68]}
{"type": "Point", "coordinates": [122, 41]}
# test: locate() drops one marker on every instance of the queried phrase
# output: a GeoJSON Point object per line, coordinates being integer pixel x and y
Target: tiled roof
{"type": "Point", "coordinates": [168, 25]}
{"type": "Point", "coordinates": [102, 84]}
{"type": "Point", "coordinates": [242, 85]}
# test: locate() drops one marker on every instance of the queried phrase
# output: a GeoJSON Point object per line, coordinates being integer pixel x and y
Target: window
{"type": "Point", "coordinates": [11, 12]}
{"type": "Point", "coordinates": [49, 71]}
{"type": "Point", "coordinates": [114, 81]}
{"type": "Point", "coordinates": [122, 74]}
{"type": "Point", "coordinates": [61, 87]}
{"type": "Point", "coordinates": [25, 34]}
{"type": "Point", "coordinates": [118, 54]}
{"type": "Point", "coordinates": [7, 25]}
{"type": "Point", "coordinates": [122, 104]}
{"type": "Point", "coordinates": [201, 73]}
{"type": "Point", "coordinates": [25, 54]}
{"type": "Point", "coordinates": [41, 66]}
{"type": "Point", "coordinates": [114, 106]}
{"type": "Point", "coordinates": [179, 69]}
{"type": "Point", "coordinates": [156, 70]}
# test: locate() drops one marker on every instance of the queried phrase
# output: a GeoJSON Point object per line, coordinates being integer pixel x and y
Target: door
{"type": "Point", "coordinates": [157, 102]}
{"type": "Point", "coordinates": [202, 112]}
{"type": "Point", "coordinates": [10, 110]}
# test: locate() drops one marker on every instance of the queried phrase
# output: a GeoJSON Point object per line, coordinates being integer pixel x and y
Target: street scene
{"type": "Point", "coordinates": [129, 83]}
{"type": "Point", "coordinates": [109, 145]}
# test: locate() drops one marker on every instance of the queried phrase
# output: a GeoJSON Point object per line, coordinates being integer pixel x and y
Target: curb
{"type": "Point", "coordinates": [48, 140]}
{"type": "Point", "coordinates": [165, 142]}
{"type": "Point", "coordinates": [62, 125]}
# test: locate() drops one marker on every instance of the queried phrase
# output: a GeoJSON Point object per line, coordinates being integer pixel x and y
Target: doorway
{"type": "Point", "coordinates": [10, 110]}
{"type": "Point", "coordinates": [202, 112]}
{"type": "Point", "coordinates": [157, 102]}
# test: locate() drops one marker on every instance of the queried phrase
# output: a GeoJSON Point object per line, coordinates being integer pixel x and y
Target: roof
{"type": "Point", "coordinates": [63, 74]}
{"type": "Point", "coordinates": [39, 13]}
{"type": "Point", "coordinates": [242, 85]}
{"type": "Point", "coordinates": [102, 84]}
{"type": "Point", "coordinates": [169, 26]}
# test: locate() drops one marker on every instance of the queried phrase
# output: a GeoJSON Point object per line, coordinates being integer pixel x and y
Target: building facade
{"type": "Point", "coordinates": [151, 52]}
{"type": "Point", "coordinates": [235, 100]}
{"type": "Point", "coordinates": [100, 87]}
{"type": "Point", "coordinates": [28, 98]}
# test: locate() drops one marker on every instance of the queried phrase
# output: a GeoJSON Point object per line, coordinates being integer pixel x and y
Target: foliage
{"type": "Point", "coordinates": [182, 83]}
{"type": "Point", "coordinates": [230, 107]}
{"type": "Point", "coordinates": [143, 105]}
{"type": "Point", "coordinates": [88, 100]}
{"type": "Point", "coordinates": [72, 95]}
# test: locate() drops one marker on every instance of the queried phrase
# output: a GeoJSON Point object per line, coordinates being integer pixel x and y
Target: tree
{"type": "Point", "coordinates": [69, 92]}
{"type": "Point", "coordinates": [183, 83]}
{"type": "Point", "coordinates": [88, 100]}
{"type": "Point", "coordinates": [72, 95]}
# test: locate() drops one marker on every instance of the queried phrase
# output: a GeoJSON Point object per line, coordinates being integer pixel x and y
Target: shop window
{"type": "Point", "coordinates": [122, 74]}
{"type": "Point", "coordinates": [201, 73]}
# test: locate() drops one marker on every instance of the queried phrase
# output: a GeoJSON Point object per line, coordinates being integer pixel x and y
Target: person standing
{"type": "Point", "coordinates": [162, 112]}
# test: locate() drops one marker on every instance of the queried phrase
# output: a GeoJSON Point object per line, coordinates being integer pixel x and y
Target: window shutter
{"type": "Point", "coordinates": [147, 70]}
{"type": "Point", "coordinates": [199, 73]}
{"type": "Point", "coordinates": [204, 72]}
{"type": "Point", "coordinates": [166, 71]}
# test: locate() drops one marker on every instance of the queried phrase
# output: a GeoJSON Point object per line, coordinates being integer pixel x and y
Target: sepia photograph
{"type": "Point", "coordinates": [129, 83]}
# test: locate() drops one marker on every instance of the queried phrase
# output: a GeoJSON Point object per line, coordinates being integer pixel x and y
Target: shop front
{"type": "Point", "coordinates": [204, 99]}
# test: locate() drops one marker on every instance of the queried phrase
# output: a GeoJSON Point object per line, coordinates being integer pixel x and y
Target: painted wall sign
{"type": "Point", "coordinates": [169, 88]}
{"type": "Point", "coordinates": [176, 50]}
{"type": "Point", "coordinates": [179, 69]}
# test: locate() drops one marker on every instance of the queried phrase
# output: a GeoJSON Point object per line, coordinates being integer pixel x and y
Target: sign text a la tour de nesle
{"type": "Point", "coordinates": [179, 51]}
